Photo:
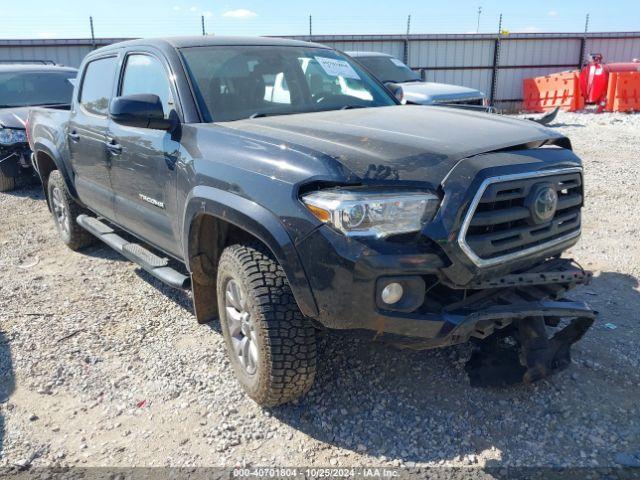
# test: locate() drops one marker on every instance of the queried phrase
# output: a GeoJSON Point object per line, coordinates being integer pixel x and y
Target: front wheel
{"type": "Point", "coordinates": [271, 345]}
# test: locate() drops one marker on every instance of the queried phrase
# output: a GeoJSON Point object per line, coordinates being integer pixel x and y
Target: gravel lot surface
{"type": "Point", "coordinates": [100, 365]}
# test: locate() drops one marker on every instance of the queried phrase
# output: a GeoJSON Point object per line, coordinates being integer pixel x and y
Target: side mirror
{"type": "Point", "coordinates": [141, 110]}
{"type": "Point", "coordinates": [396, 90]}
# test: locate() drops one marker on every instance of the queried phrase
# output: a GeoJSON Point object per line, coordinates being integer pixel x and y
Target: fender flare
{"type": "Point", "coordinates": [259, 222]}
{"type": "Point", "coordinates": [47, 147]}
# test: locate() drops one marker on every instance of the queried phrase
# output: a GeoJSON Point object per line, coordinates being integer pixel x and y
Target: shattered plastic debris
{"type": "Point", "coordinates": [33, 263]}
{"type": "Point", "coordinates": [498, 361]}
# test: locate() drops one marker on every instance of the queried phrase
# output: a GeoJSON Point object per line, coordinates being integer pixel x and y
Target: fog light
{"type": "Point", "coordinates": [392, 293]}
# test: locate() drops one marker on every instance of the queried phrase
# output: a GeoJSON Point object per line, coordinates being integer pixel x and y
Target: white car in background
{"type": "Point", "coordinates": [409, 87]}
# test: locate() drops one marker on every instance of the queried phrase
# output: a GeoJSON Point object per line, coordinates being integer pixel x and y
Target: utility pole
{"type": "Point", "coordinates": [406, 41]}
{"type": "Point", "coordinates": [310, 26]}
{"type": "Point", "coordinates": [478, 25]}
{"type": "Point", "coordinates": [583, 42]}
{"type": "Point", "coordinates": [496, 63]}
{"type": "Point", "coordinates": [93, 35]}
{"type": "Point", "coordinates": [204, 32]}
{"type": "Point", "coordinates": [586, 24]}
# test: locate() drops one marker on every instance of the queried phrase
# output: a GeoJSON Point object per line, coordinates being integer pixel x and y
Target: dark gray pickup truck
{"type": "Point", "coordinates": [325, 206]}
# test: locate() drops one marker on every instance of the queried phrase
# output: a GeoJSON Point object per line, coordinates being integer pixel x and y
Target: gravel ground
{"type": "Point", "coordinates": [100, 365]}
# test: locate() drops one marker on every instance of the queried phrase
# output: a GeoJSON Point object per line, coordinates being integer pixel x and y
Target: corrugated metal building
{"type": "Point", "coordinates": [490, 63]}
{"type": "Point", "coordinates": [495, 65]}
{"type": "Point", "coordinates": [69, 52]}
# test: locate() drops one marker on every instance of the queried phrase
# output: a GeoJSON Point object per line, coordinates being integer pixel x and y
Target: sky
{"type": "Point", "coordinates": [145, 18]}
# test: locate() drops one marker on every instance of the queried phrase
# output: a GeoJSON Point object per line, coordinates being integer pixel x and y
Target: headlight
{"type": "Point", "coordinates": [9, 136]}
{"type": "Point", "coordinates": [372, 213]}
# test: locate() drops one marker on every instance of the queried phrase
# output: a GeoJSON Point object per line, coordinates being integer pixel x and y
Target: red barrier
{"type": "Point", "coordinates": [623, 92]}
{"type": "Point", "coordinates": [558, 90]}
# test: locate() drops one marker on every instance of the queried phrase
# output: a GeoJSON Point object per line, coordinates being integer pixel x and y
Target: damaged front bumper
{"type": "Point", "coordinates": [524, 352]}
{"type": "Point", "coordinates": [508, 318]}
{"type": "Point", "coordinates": [510, 330]}
{"type": "Point", "coordinates": [15, 160]}
{"type": "Point", "coordinates": [487, 306]}
{"type": "Point", "coordinates": [347, 285]}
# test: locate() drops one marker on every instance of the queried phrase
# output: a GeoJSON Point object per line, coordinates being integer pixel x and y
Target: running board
{"type": "Point", "coordinates": [147, 260]}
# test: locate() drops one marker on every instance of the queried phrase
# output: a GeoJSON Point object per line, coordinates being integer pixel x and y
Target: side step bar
{"type": "Point", "coordinates": [147, 260]}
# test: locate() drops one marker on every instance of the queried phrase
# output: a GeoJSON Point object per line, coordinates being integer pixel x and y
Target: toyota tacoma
{"type": "Point", "coordinates": [330, 207]}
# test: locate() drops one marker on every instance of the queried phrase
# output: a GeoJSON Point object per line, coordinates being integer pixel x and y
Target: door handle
{"type": "Point", "coordinates": [113, 146]}
{"type": "Point", "coordinates": [73, 136]}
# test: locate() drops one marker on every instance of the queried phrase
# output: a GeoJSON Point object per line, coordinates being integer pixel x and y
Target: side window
{"type": "Point", "coordinates": [145, 74]}
{"type": "Point", "coordinates": [97, 85]}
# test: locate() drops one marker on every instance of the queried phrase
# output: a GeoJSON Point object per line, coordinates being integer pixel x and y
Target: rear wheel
{"type": "Point", "coordinates": [6, 183]}
{"type": "Point", "coordinates": [65, 210]}
{"type": "Point", "coordinates": [271, 345]}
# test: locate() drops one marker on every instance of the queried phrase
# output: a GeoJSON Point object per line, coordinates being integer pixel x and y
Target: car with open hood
{"type": "Point", "coordinates": [22, 87]}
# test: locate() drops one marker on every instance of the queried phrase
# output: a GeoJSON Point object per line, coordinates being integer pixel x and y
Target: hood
{"type": "Point", "coordinates": [411, 143]}
{"type": "Point", "coordinates": [14, 117]}
{"type": "Point", "coordinates": [427, 93]}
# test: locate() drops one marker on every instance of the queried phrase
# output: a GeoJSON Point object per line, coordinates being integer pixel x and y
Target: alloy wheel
{"type": "Point", "coordinates": [241, 327]}
{"type": "Point", "coordinates": [60, 210]}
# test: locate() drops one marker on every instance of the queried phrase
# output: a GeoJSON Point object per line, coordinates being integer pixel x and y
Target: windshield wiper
{"type": "Point", "coordinates": [258, 115]}
{"type": "Point", "coordinates": [349, 107]}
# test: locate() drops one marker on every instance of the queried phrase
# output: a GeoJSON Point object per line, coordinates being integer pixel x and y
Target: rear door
{"type": "Point", "coordinates": [144, 170]}
{"type": "Point", "coordinates": [88, 135]}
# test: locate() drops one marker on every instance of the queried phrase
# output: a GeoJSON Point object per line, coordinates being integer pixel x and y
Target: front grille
{"type": "Point", "coordinates": [475, 101]}
{"type": "Point", "coordinates": [463, 101]}
{"type": "Point", "coordinates": [500, 223]}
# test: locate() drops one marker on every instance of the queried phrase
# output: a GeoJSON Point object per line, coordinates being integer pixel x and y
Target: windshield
{"type": "Point", "coordinates": [235, 82]}
{"type": "Point", "coordinates": [389, 69]}
{"type": "Point", "coordinates": [22, 89]}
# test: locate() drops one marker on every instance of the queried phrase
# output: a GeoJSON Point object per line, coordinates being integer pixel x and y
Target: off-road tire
{"type": "Point", "coordinates": [6, 183]}
{"type": "Point", "coordinates": [286, 340]}
{"type": "Point", "coordinates": [74, 236]}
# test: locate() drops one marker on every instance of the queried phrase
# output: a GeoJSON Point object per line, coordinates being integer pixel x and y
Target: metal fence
{"type": "Point", "coordinates": [492, 63]}
{"type": "Point", "coordinates": [495, 64]}
{"type": "Point", "coordinates": [69, 52]}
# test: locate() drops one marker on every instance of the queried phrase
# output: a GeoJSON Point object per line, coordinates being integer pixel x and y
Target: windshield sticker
{"type": "Point", "coordinates": [398, 63]}
{"type": "Point", "coordinates": [337, 68]}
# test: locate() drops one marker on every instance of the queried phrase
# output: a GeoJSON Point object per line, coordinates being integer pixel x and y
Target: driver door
{"type": "Point", "coordinates": [144, 160]}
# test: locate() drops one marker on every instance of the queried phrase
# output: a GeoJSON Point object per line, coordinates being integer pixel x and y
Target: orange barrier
{"type": "Point", "coordinates": [558, 90]}
{"type": "Point", "coordinates": [623, 92]}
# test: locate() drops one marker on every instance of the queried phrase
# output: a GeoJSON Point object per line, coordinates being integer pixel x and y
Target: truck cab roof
{"type": "Point", "coordinates": [210, 40]}
{"type": "Point", "coordinates": [31, 67]}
